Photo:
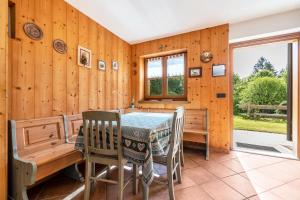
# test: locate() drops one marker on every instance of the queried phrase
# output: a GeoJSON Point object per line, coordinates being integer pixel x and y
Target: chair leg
{"type": "Point", "coordinates": [181, 154]}
{"type": "Point", "coordinates": [135, 187]}
{"type": "Point", "coordinates": [170, 180]}
{"type": "Point", "coordinates": [178, 168]}
{"type": "Point", "coordinates": [88, 172]}
{"type": "Point", "coordinates": [121, 182]}
{"type": "Point", "coordinates": [145, 192]}
{"type": "Point", "coordinates": [175, 173]}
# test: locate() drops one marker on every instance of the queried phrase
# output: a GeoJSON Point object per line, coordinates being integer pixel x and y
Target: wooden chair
{"type": "Point", "coordinates": [171, 158]}
{"type": "Point", "coordinates": [181, 140]}
{"type": "Point", "coordinates": [103, 147]}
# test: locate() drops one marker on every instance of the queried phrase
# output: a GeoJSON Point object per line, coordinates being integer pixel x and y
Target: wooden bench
{"type": "Point", "coordinates": [38, 149]}
{"type": "Point", "coordinates": [196, 128]}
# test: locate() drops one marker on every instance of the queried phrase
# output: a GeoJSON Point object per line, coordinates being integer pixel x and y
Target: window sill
{"type": "Point", "coordinates": [163, 102]}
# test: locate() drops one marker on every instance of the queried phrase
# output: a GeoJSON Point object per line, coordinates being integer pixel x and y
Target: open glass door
{"type": "Point", "coordinates": [265, 97]}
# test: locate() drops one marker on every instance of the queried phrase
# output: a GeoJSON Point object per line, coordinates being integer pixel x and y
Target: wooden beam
{"type": "Point", "coordinates": [3, 96]}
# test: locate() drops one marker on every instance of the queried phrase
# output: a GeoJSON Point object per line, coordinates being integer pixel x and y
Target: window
{"type": "Point", "coordinates": [11, 19]}
{"type": "Point", "coordinates": [165, 77]}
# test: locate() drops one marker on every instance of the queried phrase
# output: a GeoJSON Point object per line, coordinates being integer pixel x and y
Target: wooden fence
{"type": "Point", "coordinates": [255, 111]}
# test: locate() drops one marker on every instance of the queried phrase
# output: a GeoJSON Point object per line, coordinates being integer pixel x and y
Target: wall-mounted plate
{"type": "Point", "coordinates": [60, 46]}
{"type": "Point", "coordinates": [33, 31]}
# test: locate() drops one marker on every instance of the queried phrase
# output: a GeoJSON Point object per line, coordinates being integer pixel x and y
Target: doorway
{"type": "Point", "coordinates": [265, 96]}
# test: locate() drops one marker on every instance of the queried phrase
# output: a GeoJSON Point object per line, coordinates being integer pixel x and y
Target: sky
{"type": "Point", "coordinates": [245, 58]}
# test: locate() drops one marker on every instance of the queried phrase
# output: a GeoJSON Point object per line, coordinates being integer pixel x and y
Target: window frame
{"type": "Point", "coordinates": [165, 79]}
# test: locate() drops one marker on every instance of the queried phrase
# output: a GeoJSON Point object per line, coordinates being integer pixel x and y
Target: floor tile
{"type": "Point", "coordinates": [199, 175]}
{"type": "Point", "coordinates": [219, 190]}
{"type": "Point", "coordinates": [234, 165]}
{"type": "Point", "coordinates": [189, 163]}
{"type": "Point", "coordinates": [256, 161]}
{"type": "Point", "coordinates": [290, 191]}
{"type": "Point", "coordinates": [217, 169]}
{"type": "Point", "coordinates": [219, 156]}
{"type": "Point", "coordinates": [243, 185]}
{"type": "Point", "coordinates": [192, 193]}
{"type": "Point", "coordinates": [185, 183]}
{"type": "Point", "coordinates": [266, 196]}
{"type": "Point", "coordinates": [288, 172]}
{"type": "Point", "coordinates": [262, 180]}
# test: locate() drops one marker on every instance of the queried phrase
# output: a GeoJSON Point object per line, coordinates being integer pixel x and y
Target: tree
{"type": "Point", "coordinates": [264, 91]}
{"type": "Point", "coordinates": [283, 74]}
{"type": "Point", "coordinates": [260, 74]}
{"type": "Point", "coordinates": [263, 64]}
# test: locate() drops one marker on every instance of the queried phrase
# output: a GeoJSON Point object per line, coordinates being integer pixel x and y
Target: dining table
{"type": "Point", "coordinates": [144, 135]}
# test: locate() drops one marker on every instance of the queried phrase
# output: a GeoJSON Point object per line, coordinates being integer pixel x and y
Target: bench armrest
{"type": "Point", "coordinates": [25, 171]}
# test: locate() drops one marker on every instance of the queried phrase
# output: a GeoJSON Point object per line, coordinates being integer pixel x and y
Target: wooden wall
{"type": "Point", "coordinates": [201, 91]}
{"type": "Point", "coordinates": [45, 83]}
{"type": "Point", "coordinates": [3, 98]}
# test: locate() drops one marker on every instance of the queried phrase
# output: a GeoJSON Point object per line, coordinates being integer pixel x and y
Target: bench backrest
{"type": "Point", "coordinates": [196, 119]}
{"type": "Point", "coordinates": [30, 136]}
{"type": "Point", "coordinates": [73, 123]}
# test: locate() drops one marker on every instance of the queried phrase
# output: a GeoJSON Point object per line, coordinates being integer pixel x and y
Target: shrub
{"type": "Point", "coordinates": [264, 91]}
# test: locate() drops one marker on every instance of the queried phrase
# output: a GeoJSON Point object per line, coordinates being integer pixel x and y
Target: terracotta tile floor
{"type": "Point", "coordinates": [230, 176]}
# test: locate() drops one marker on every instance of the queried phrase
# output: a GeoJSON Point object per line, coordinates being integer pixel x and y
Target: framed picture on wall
{"type": "Point", "coordinates": [115, 65]}
{"type": "Point", "coordinates": [218, 70]}
{"type": "Point", "coordinates": [195, 72]}
{"type": "Point", "coordinates": [101, 65]}
{"type": "Point", "coordinates": [84, 57]}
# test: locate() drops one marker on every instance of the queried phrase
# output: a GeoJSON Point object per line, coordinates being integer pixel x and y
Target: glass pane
{"type": "Point", "coordinates": [175, 75]}
{"type": "Point", "coordinates": [154, 76]}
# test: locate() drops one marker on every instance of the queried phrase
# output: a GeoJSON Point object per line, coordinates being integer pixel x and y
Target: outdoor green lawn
{"type": "Point", "coordinates": [272, 126]}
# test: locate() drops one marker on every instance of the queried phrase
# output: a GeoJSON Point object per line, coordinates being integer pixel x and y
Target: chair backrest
{"type": "Point", "coordinates": [177, 128]}
{"type": "Point", "coordinates": [99, 128]}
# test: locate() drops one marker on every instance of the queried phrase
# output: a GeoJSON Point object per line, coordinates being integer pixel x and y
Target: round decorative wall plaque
{"type": "Point", "coordinates": [60, 46]}
{"type": "Point", "coordinates": [206, 56]}
{"type": "Point", "coordinates": [33, 31]}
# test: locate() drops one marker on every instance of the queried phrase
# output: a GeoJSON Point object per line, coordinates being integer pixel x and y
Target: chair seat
{"type": "Point", "coordinates": [162, 159]}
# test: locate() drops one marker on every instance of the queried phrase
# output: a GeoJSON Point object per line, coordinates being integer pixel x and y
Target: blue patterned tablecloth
{"type": "Point", "coordinates": [144, 135]}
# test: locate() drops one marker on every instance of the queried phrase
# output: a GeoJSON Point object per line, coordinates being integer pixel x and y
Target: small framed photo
{"type": "Point", "coordinates": [115, 65]}
{"type": "Point", "coordinates": [84, 57]}
{"type": "Point", "coordinates": [195, 72]}
{"type": "Point", "coordinates": [101, 65]}
{"type": "Point", "coordinates": [218, 70]}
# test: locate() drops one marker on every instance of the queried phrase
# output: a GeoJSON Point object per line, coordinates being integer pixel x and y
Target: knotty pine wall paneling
{"type": "Point", "coordinates": [201, 92]}
{"type": "Point", "coordinates": [45, 83]}
{"type": "Point", "coordinates": [3, 96]}
{"type": "Point", "coordinates": [59, 22]}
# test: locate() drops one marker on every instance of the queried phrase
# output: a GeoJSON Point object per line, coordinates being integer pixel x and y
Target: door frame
{"type": "Point", "coordinates": [265, 40]}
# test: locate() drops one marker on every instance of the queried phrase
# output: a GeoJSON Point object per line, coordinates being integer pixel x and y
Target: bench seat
{"type": "Point", "coordinates": [54, 159]}
{"type": "Point", "coordinates": [195, 131]}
